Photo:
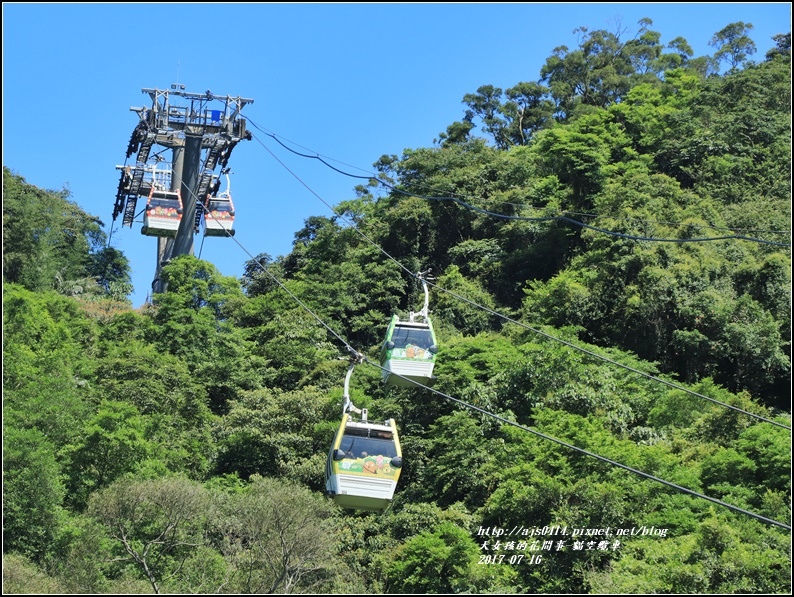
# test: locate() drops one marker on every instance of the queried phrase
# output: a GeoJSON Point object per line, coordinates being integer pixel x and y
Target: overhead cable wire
{"type": "Point", "coordinates": [282, 286]}
{"type": "Point", "coordinates": [642, 221]}
{"type": "Point", "coordinates": [373, 176]}
{"type": "Point", "coordinates": [608, 360]}
{"type": "Point", "coordinates": [506, 421]}
{"type": "Point", "coordinates": [521, 324]}
{"type": "Point", "coordinates": [557, 218]}
{"type": "Point", "coordinates": [589, 453]}
{"type": "Point", "coordinates": [314, 155]}
{"type": "Point", "coordinates": [201, 247]}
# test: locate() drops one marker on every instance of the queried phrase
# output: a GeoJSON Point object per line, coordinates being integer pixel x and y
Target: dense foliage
{"type": "Point", "coordinates": [612, 273]}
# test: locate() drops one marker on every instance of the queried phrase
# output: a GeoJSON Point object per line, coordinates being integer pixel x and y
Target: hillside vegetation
{"type": "Point", "coordinates": [612, 262]}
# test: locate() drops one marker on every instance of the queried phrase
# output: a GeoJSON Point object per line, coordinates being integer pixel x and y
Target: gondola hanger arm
{"type": "Point", "coordinates": [347, 404]}
{"type": "Point", "coordinates": [424, 277]}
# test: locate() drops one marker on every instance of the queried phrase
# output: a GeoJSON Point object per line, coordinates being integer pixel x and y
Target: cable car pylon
{"type": "Point", "coordinates": [200, 130]}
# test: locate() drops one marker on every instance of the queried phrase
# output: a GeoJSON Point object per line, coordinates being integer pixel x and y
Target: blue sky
{"type": "Point", "coordinates": [349, 82]}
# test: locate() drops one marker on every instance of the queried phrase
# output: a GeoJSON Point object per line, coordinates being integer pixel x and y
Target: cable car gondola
{"type": "Point", "coordinates": [219, 214]}
{"type": "Point", "coordinates": [364, 461]}
{"type": "Point", "coordinates": [408, 354]}
{"type": "Point", "coordinates": [163, 213]}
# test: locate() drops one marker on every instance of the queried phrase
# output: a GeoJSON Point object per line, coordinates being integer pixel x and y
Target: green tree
{"type": "Point", "coordinates": [733, 44]}
{"type": "Point", "coordinates": [174, 404]}
{"type": "Point", "coordinates": [782, 46]}
{"type": "Point", "coordinates": [456, 452]}
{"type": "Point", "coordinates": [527, 110]}
{"type": "Point", "coordinates": [485, 104]}
{"type": "Point", "coordinates": [769, 448]}
{"type": "Point", "coordinates": [272, 433]}
{"type": "Point", "coordinates": [255, 280]}
{"type": "Point", "coordinates": [443, 561]}
{"type": "Point", "coordinates": [280, 538]}
{"type": "Point", "coordinates": [716, 559]}
{"type": "Point", "coordinates": [32, 493]}
{"type": "Point", "coordinates": [47, 238]}
{"type": "Point", "coordinates": [82, 557]}
{"type": "Point", "coordinates": [596, 74]}
{"type": "Point", "coordinates": [21, 576]}
{"type": "Point", "coordinates": [463, 316]}
{"type": "Point", "coordinates": [195, 320]}
{"type": "Point", "coordinates": [157, 524]}
{"type": "Point", "coordinates": [457, 132]}
{"type": "Point", "coordinates": [48, 346]}
{"type": "Point", "coordinates": [111, 269]}
{"type": "Point", "coordinates": [112, 443]}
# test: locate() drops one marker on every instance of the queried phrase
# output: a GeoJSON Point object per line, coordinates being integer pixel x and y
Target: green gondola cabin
{"type": "Point", "coordinates": [363, 465]}
{"type": "Point", "coordinates": [408, 354]}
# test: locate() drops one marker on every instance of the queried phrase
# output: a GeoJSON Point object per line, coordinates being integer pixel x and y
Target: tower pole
{"type": "Point", "coordinates": [165, 246]}
{"type": "Point", "coordinates": [187, 130]}
{"type": "Point", "coordinates": [183, 243]}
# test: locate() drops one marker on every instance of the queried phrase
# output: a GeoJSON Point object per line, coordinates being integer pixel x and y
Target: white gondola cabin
{"type": "Point", "coordinates": [219, 216]}
{"type": "Point", "coordinates": [408, 354]}
{"type": "Point", "coordinates": [163, 213]}
{"type": "Point", "coordinates": [364, 464]}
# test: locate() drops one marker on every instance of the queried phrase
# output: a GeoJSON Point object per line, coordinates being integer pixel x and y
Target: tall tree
{"type": "Point", "coordinates": [32, 493]}
{"type": "Point", "coordinates": [782, 46]}
{"type": "Point", "coordinates": [527, 110]}
{"type": "Point", "coordinates": [596, 74]}
{"type": "Point", "coordinates": [280, 538]}
{"type": "Point", "coordinates": [158, 524]}
{"type": "Point", "coordinates": [733, 43]}
{"type": "Point", "coordinates": [49, 240]}
{"type": "Point", "coordinates": [486, 104]}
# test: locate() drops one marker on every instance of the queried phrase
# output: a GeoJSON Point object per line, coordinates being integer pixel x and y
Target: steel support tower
{"type": "Point", "coordinates": [200, 130]}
